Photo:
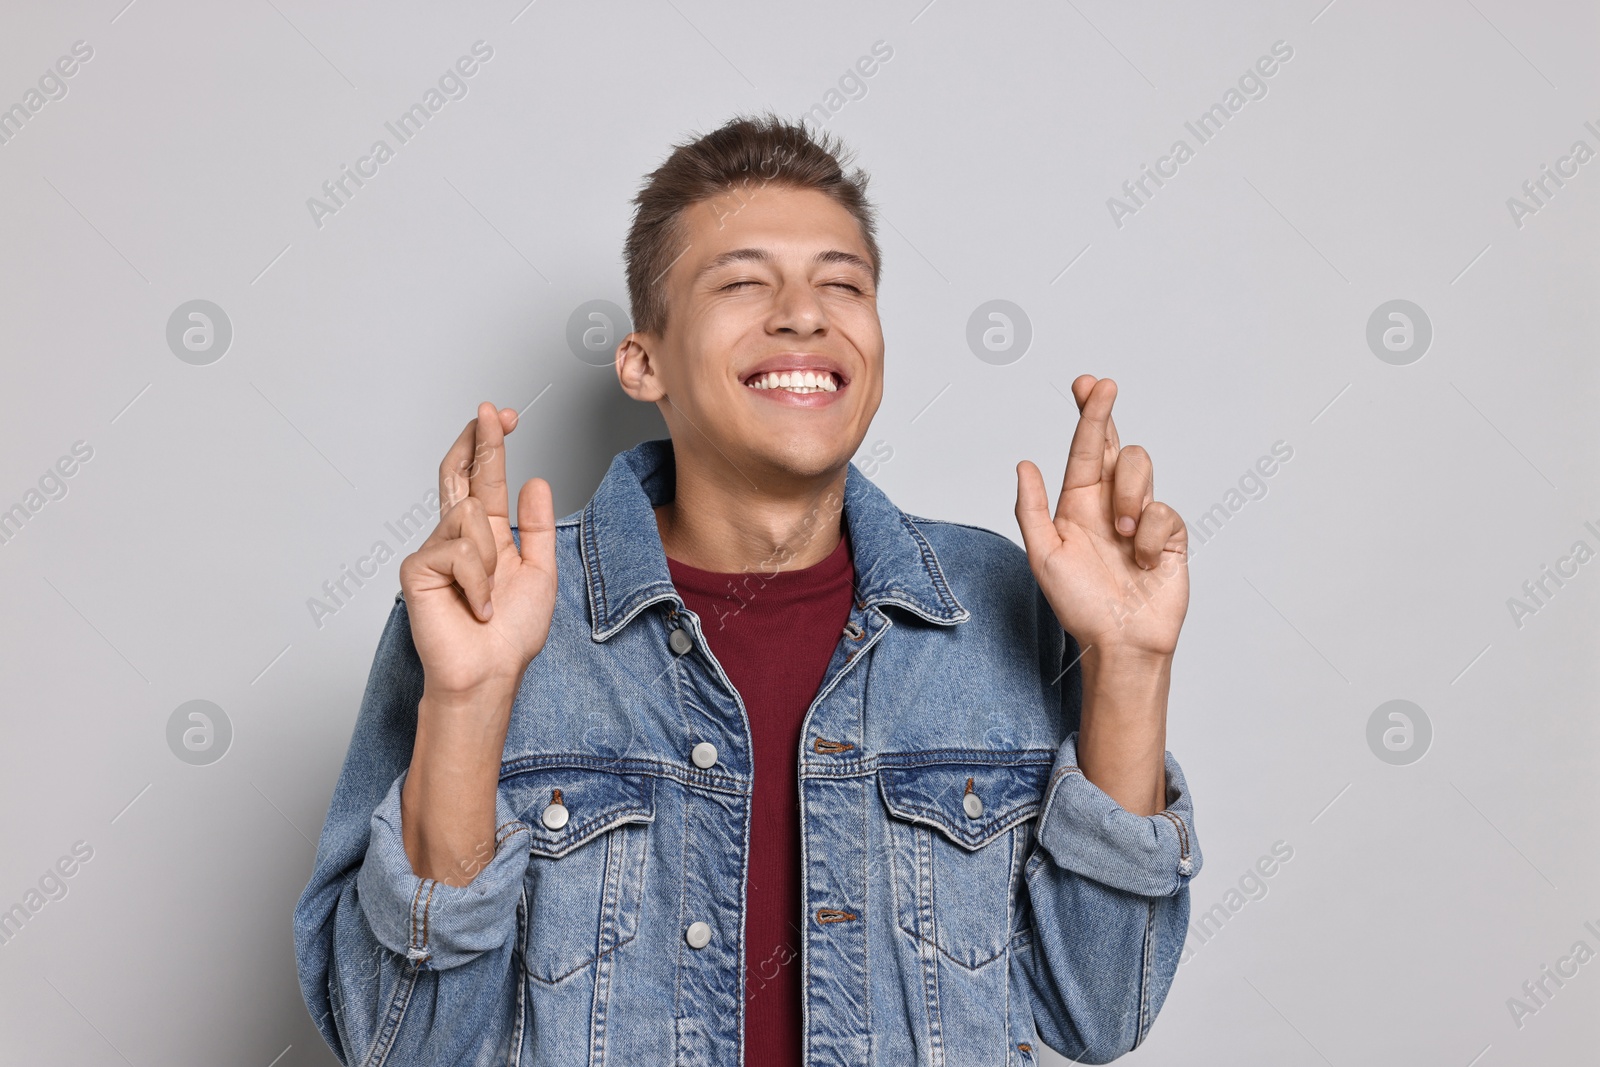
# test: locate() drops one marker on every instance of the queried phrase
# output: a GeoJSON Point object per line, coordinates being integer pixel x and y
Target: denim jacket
{"type": "Point", "coordinates": [968, 894]}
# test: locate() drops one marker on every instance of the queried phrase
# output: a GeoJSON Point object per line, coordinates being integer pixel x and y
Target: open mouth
{"type": "Point", "coordinates": [797, 382]}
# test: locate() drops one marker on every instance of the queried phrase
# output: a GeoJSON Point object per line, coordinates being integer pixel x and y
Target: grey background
{"type": "Point", "coordinates": [1231, 308]}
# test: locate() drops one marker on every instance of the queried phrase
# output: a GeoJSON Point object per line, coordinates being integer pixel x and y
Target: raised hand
{"type": "Point", "coordinates": [480, 608]}
{"type": "Point", "coordinates": [1113, 562]}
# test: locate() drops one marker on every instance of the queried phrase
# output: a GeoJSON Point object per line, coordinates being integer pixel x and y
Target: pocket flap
{"type": "Point", "coordinates": [936, 793]}
{"type": "Point", "coordinates": [595, 801]}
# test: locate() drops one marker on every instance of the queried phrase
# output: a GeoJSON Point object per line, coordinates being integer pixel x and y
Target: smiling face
{"type": "Point", "coordinates": [772, 356]}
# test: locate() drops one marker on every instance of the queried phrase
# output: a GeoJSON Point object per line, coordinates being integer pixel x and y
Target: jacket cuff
{"type": "Point", "coordinates": [425, 920]}
{"type": "Point", "coordinates": [1087, 832]}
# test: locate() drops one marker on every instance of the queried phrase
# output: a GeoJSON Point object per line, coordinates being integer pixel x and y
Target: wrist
{"type": "Point", "coordinates": [461, 736]}
{"type": "Point", "coordinates": [1123, 662]}
{"type": "Point", "coordinates": [480, 699]}
{"type": "Point", "coordinates": [448, 800]}
{"type": "Point", "coordinates": [1122, 727]}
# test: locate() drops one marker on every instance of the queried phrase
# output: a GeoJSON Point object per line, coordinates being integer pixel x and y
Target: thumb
{"type": "Point", "coordinates": [536, 524]}
{"type": "Point", "coordinates": [1039, 534]}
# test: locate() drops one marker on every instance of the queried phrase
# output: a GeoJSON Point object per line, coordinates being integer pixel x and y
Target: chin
{"type": "Point", "coordinates": [807, 457]}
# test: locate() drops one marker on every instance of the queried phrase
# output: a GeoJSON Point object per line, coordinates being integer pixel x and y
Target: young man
{"type": "Point", "coordinates": [741, 764]}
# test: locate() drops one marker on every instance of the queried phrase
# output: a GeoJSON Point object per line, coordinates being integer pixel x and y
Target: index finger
{"type": "Point", "coordinates": [486, 475]}
{"type": "Point", "coordinates": [453, 468]}
{"type": "Point", "coordinates": [461, 462]}
{"type": "Point", "coordinates": [1086, 462]}
{"type": "Point", "coordinates": [1082, 385]}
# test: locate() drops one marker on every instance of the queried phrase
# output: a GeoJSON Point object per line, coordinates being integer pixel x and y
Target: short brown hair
{"type": "Point", "coordinates": [759, 149]}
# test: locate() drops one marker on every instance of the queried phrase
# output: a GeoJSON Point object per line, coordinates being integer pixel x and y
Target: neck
{"type": "Point", "coordinates": [719, 521]}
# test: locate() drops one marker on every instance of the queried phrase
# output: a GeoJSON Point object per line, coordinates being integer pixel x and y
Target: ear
{"type": "Point", "coordinates": [637, 369]}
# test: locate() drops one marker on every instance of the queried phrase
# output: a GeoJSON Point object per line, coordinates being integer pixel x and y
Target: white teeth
{"type": "Point", "coordinates": [795, 381]}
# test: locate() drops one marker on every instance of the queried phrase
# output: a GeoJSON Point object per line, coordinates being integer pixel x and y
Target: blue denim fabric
{"type": "Point", "coordinates": [936, 929]}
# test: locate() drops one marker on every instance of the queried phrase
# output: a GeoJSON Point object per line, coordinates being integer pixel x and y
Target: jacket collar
{"type": "Point", "coordinates": [625, 566]}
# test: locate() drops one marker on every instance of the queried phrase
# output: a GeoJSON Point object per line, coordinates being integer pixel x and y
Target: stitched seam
{"type": "Point", "coordinates": [1063, 772]}
{"type": "Point", "coordinates": [940, 822]}
{"type": "Point", "coordinates": [930, 973]}
{"type": "Point", "coordinates": [805, 931]}
{"type": "Point", "coordinates": [1176, 833]}
{"type": "Point", "coordinates": [379, 1053]}
{"type": "Point", "coordinates": [1011, 899]}
{"type": "Point", "coordinates": [679, 1016]}
{"type": "Point", "coordinates": [526, 765]}
{"type": "Point", "coordinates": [1144, 975]}
{"type": "Point", "coordinates": [426, 910]}
{"type": "Point", "coordinates": [968, 755]}
{"type": "Point", "coordinates": [612, 896]}
{"type": "Point", "coordinates": [930, 564]}
{"type": "Point", "coordinates": [865, 807]}
{"type": "Point", "coordinates": [654, 593]}
{"type": "Point", "coordinates": [1183, 833]}
{"type": "Point", "coordinates": [522, 972]}
{"type": "Point", "coordinates": [595, 824]}
{"type": "Point", "coordinates": [591, 555]}
{"type": "Point", "coordinates": [959, 963]}
{"type": "Point", "coordinates": [1029, 757]}
{"type": "Point", "coordinates": [416, 893]}
{"type": "Point", "coordinates": [568, 974]}
{"type": "Point", "coordinates": [895, 863]}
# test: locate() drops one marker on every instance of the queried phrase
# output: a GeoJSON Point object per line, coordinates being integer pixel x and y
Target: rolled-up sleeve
{"type": "Point", "coordinates": [1109, 899]}
{"type": "Point", "coordinates": [1086, 831]}
{"type": "Point", "coordinates": [1108, 890]}
{"type": "Point", "coordinates": [436, 925]}
{"type": "Point", "coordinates": [395, 968]}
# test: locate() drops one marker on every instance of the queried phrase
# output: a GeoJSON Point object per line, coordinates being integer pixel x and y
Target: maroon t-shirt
{"type": "Point", "coordinates": [774, 635]}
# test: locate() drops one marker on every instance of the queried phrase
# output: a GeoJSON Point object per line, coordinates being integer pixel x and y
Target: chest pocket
{"type": "Point", "coordinates": [957, 835]}
{"type": "Point", "coordinates": [586, 867]}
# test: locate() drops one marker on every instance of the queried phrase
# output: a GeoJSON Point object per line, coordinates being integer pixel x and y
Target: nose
{"type": "Point", "coordinates": [797, 310]}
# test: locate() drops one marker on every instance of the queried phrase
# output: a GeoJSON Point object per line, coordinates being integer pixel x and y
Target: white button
{"type": "Point", "coordinates": [972, 805]}
{"type": "Point", "coordinates": [555, 816]}
{"type": "Point", "coordinates": [704, 754]}
{"type": "Point", "coordinates": [698, 935]}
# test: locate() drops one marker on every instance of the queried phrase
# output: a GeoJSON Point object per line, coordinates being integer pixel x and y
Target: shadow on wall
{"type": "Point", "coordinates": [598, 420]}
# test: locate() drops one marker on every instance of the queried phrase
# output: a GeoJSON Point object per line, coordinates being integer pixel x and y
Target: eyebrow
{"type": "Point", "coordinates": [761, 255]}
